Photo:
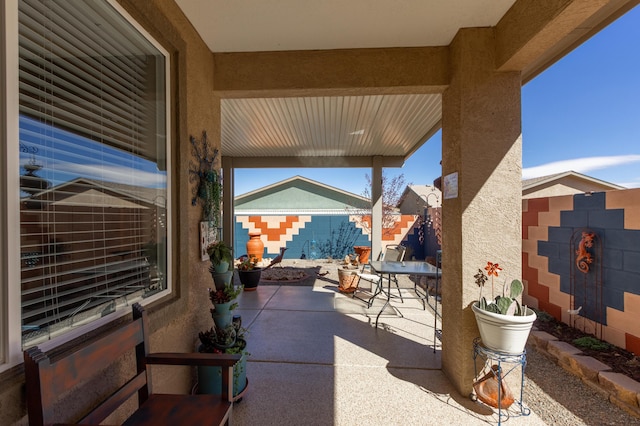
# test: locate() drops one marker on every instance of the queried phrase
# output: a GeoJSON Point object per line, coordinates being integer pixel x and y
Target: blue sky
{"type": "Point", "coordinates": [581, 114]}
{"type": "Point", "coordinates": [65, 156]}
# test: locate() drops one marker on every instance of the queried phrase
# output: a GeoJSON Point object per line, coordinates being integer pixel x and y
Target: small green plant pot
{"type": "Point", "coordinates": [221, 279]}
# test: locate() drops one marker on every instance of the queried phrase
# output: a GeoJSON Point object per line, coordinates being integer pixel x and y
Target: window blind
{"type": "Point", "coordinates": [93, 164]}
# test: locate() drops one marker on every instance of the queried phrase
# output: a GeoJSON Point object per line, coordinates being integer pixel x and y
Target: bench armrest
{"type": "Point", "coordinates": [194, 358]}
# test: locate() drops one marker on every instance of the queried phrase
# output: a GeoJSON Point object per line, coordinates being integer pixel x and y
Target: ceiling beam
{"type": "Point", "coordinates": [331, 72]}
{"type": "Point", "coordinates": [532, 36]}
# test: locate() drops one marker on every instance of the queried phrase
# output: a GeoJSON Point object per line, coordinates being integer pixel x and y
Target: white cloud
{"type": "Point", "coordinates": [117, 174]}
{"type": "Point", "coordinates": [580, 165]}
{"type": "Point", "coordinates": [635, 184]}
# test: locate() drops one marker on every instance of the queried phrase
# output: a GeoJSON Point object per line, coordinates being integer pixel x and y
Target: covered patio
{"type": "Point", "coordinates": [365, 87]}
{"type": "Point", "coordinates": [317, 359]}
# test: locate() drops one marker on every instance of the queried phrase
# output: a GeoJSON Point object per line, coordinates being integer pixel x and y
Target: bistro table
{"type": "Point", "coordinates": [386, 269]}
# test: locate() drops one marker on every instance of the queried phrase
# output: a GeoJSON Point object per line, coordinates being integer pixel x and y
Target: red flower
{"type": "Point", "coordinates": [492, 269]}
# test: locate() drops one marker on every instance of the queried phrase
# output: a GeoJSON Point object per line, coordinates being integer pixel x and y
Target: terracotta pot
{"type": "Point", "coordinates": [255, 246]}
{"type": "Point", "coordinates": [363, 253]}
{"type": "Point", "coordinates": [348, 280]}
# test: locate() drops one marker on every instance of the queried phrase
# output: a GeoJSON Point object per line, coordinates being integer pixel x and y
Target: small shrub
{"type": "Point", "coordinates": [588, 342]}
{"type": "Point", "coordinates": [544, 316]}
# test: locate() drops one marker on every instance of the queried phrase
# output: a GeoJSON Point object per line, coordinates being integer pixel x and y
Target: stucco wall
{"type": "Point", "coordinates": [176, 320]}
{"type": "Point", "coordinates": [609, 292]}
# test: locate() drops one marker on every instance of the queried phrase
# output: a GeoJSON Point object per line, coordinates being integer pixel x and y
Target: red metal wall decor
{"type": "Point", "coordinates": [586, 312]}
{"type": "Point", "coordinates": [583, 255]}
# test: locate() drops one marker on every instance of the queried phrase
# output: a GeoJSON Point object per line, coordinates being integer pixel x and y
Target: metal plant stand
{"type": "Point", "coordinates": [500, 374]}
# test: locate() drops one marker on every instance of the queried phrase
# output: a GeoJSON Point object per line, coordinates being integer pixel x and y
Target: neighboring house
{"type": "Point", "coordinates": [98, 263]}
{"type": "Point", "coordinates": [565, 183]}
{"type": "Point", "coordinates": [308, 216]}
{"type": "Point", "coordinates": [423, 201]}
{"type": "Point", "coordinates": [416, 198]}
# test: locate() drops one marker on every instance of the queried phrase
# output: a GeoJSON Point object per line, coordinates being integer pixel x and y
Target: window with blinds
{"type": "Point", "coordinates": [93, 165]}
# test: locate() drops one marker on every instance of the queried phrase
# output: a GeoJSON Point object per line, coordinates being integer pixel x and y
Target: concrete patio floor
{"type": "Point", "coordinates": [317, 359]}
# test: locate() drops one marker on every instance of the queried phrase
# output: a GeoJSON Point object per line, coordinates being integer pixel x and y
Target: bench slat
{"type": "Point", "coordinates": [116, 399]}
{"type": "Point", "coordinates": [183, 410]}
{"type": "Point", "coordinates": [46, 381]}
{"type": "Point", "coordinates": [195, 358]}
{"type": "Point", "coordinates": [82, 364]}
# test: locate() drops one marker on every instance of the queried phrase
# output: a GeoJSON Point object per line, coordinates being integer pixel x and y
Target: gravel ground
{"type": "Point", "coordinates": [561, 398]}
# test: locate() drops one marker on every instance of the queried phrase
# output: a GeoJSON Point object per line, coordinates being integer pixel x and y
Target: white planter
{"type": "Point", "coordinates": [504, 333]}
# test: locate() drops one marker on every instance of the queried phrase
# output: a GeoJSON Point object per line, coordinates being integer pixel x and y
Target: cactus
{"type": "Point", "coordinates": [502, 304]}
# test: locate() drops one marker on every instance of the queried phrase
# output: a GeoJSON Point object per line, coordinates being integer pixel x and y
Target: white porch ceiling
{"type": "Point", "coordinates": [343, 128]}
{"type": "Point", "coordinates": [336, 126]}
{"type": "Point", "coordinates": [262, 25]}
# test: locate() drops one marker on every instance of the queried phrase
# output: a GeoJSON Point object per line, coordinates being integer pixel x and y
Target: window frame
{"type": "Point", "coordinates": [10, 290]}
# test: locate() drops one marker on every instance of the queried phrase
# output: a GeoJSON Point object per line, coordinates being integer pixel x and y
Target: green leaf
{"type": "Point", "coordinates": [482, 304]}
{"type": "Point", "coordinates": [492, 307]}
{"type": "Point", "coordinates": [503, 304]}
{"type": "Point", "coordinates": [516, 289]}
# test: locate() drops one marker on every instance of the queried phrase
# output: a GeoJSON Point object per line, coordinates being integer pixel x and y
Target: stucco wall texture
{"type": "Point", "coordinates": [609, 293]}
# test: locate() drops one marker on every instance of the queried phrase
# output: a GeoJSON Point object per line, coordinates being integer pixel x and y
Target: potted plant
{"type": "Point", "coordinates": [217, 338]}
{"type": "Point", "coordinates": [503, 323]}
{"type": "Point", "coordinates": [220, 255]}
{"type": "Point", "coordinates": [363, 253]}
{"type": "Point", "coordinates": [348, 277]}
{"type": "Point", "coordinates": [249, 273]}
{"type": "Point", "coordinates": [223, 301]}
{"type": "Point", "coordinates": [226, 336]}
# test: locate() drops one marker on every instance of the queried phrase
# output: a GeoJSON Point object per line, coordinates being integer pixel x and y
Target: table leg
{"type": "Point", "coordinates": [376, 293]}
{"type": "Point", "coordinates": [388, 298]}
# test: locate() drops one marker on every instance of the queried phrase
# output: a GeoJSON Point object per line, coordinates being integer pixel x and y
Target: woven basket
{"type": "Point", "coordinates": [348, 279]}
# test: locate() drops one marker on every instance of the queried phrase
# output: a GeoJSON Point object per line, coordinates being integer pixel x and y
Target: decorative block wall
{"type": "Point", "coordinates": [608, 294]}
{"type": "Point", "coordinates": [297, 232]}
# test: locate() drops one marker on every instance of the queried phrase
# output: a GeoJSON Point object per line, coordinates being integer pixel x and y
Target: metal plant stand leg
{"type": "Point", "coordinates": [500, 374]}
{"type": "Point", "coordinates": [435, 299]}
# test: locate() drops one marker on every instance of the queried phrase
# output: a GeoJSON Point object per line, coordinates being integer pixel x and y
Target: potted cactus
{"type": "Point", "coordinates": [503, 323]}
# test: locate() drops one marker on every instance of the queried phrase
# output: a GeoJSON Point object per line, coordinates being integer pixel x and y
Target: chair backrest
{"type": "Point", "coordinates": [47, 379]}
{"type": "Point", "coordinates": [394, 253]}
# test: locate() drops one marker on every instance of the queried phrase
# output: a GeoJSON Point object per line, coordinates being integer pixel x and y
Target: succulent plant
{"type": "Point", "coordinates": [506, 303]}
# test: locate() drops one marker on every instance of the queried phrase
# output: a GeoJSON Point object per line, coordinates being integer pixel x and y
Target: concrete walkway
{"type": "Point", "coordinates": [317, 359]}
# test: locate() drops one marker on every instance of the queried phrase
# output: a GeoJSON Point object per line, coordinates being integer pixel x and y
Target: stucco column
{"type": "Point", "coordinates": [481, 142]}
{"type": "Point", "coordinates": [376, 207]}
{"type": "Point", "coordinates": [228, 195]}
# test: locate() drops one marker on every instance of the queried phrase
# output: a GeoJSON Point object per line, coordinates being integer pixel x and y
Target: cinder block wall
{"type": "Point", "coordinates": [551, 233]}
{"type": "Point", "coordinates": [297, 232]}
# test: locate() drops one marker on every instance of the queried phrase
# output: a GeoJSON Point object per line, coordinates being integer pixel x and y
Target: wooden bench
{"type": "Point", "coordinates": [47, 379]}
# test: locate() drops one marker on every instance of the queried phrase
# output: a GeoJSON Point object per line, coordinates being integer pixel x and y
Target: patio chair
{"type": "Point", "coordinates": [391, 253]}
